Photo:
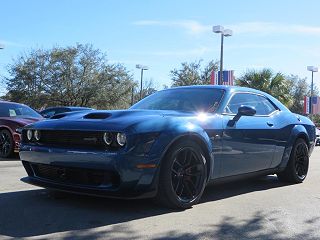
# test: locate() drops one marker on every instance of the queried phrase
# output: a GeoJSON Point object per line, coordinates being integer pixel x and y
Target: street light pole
{"type": "Point", "coordinates": [221, 61]}
{"type": "Point", "coordinates": [141, 83]}
{"type": "Point", "coordinates": [312, 69]}
{"type": "Point", "coordinates": [224, 33]}
{"type": "Point", "coordinates": [139, 66]}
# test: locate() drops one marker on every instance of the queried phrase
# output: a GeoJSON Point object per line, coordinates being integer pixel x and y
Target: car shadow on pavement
{"type": "Point", "coordinates": [39, 212]}
{"type": "Point", "coordinates": [219, 191]}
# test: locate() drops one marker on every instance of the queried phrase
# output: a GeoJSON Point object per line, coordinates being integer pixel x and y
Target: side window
{"type": "Point", "coordinates": [265, 105]}
{"type": "Point", "coordinates": [260, 103]}
{"type": "Point", "coordinates": [240, 99]}
{"type": "Point", "coordinates": [61, 110]}
{"type": "Point", "coordinates": [49, 114]}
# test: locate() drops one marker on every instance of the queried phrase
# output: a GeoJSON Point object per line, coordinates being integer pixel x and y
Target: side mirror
{"type": "Point", "coordinates": [246, 111]}
{"type": "Point", "coordinates": [242, 111]}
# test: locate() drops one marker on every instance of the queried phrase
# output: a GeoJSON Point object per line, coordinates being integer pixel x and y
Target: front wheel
{"type": "Point", "coordinates": [298, 165]}
{"type": "Point", "coordinates": [183, 176]}
{"type": "Point", "coordinates": [6, 144]}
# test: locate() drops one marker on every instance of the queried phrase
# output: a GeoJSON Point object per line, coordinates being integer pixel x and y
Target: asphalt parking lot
{"type": "Point", "coordinates": [255, 209]}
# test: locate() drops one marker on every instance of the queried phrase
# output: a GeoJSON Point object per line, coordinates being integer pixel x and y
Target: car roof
{"type": "Point", "coordinates": [224, 87]}
{"type": "Point", "coordinates": [8, 102]}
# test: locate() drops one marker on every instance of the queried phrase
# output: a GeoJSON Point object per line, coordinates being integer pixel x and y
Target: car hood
{"type": "Point", "coordinates": [117, 120]}
{"type": "Point", "coordinates": [22, 121]}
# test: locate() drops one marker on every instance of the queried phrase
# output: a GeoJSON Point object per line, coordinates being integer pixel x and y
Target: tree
{"type": "Point", "coordinates": [148, 88]}
{"type": "Point", "coordinates": [299, 89]}
{"type": "Point", "coordinates": [77, 75]}
{"type": "Point", "coordinates": [265, 80]}
{"type": "Point", "coordinates": [193, 74]}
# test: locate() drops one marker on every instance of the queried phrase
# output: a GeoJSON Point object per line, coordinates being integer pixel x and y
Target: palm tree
{"type": "Point", "coordinates": [265, 80]}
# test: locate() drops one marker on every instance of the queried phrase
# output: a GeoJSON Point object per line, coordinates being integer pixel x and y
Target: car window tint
{"type": "Point", "coordinates": [260, 103]}
{"type": "Point", "coordinates": [183, 99]}
{"type": "Point", "coordinates": [265, 106]}
{"type": "Point", "coordinates": [49, 114]}
{"type": "Point", "coordinates": [16, 110]}
{"type": "Point", "coordinates": [61, 110]}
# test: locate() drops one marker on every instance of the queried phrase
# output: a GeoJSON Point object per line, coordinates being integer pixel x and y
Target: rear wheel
{"type": "Point", "coordinates": [6, 144]}
{"type": "Point", "coordinates": [183, 176]}
{"type": "Point", "coordinates": [298, 165]}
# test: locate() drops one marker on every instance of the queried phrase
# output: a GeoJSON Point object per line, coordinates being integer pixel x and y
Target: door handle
{"type": "Point", "coordinates": [270, 124]}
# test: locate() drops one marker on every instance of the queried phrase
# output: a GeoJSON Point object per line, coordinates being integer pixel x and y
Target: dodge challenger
{"type": "Point", "coordinates": [170, 145]}
{"type": "Point", "coordinates": [13, 116]}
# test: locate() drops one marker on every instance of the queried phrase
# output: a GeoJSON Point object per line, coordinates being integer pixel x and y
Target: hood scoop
{"type": "Point", "coordinates": [97, 115]}
{"type": "Point", "coordinates": [58, 116]}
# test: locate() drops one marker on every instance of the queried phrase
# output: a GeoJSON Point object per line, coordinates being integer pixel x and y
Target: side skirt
{"type": "Point", "coordinates": [243, 176]}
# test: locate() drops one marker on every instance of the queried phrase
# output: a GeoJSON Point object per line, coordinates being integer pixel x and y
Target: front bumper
{"type": "Point", "coordinates": [98, 173]}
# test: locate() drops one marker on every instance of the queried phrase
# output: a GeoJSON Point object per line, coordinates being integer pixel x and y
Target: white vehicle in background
{"type": "Point", "coordinates": [317, 137]}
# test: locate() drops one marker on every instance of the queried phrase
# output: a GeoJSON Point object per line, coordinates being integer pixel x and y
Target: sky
{"type": "Point", "coordinates": [278, 34]}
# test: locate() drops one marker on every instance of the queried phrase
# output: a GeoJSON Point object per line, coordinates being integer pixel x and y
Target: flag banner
{"type": "Point", "coordinates": [311, 103]}
{"type": "Point", "coordinates": [228, 78]}
{"type": "Point", "coordinates": [315, 105]}
{"type": "Point", "coordinates": [314, 100]}
{"type": "Point", "coordinates": [213, 78]}
{"type": "Point", "coordinates": [306, 105]}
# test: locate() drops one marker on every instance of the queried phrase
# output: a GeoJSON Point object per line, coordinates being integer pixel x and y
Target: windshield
{"type": "Point", "coordinates": [17, 110]}
{"type": "Point", "coordinates": [183, 99]}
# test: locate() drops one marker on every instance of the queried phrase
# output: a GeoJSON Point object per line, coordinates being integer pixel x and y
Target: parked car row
{"type": "Point", "coordinates": [14, 116]}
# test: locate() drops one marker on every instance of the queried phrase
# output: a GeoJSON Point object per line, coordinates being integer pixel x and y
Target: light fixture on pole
{"type": "Point", "coordinates": [312, 69]}
{"type": "Point", "coordinates": [142, 67]}
{"type": "Point", "coordinates": [224, 33]}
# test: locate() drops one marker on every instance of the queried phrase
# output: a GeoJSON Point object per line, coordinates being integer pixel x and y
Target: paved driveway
{"type": "Point", "coordinates": [260, 209]}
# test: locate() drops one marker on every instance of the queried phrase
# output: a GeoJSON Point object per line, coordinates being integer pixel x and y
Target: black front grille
{"type": "Point", "coordinates": [73, 139]}
{"type": "Point", "coordinates": [78, 176]}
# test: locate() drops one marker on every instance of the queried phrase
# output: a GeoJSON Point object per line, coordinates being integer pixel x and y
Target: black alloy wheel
{"type": "Point", "coordinates": [297, 168]}
{"type": "Point", "coordinates": [301, 161]}
{"type": "Point", "coordinates": [6, 144]}
{"type": "Point", "coordinates": [183, 176]}
{"type": "Point", "coordinates": [187, 174]}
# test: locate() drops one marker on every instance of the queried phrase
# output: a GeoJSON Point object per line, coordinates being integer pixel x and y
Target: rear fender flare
{"type": "Point", "coordinates": [298, 131]}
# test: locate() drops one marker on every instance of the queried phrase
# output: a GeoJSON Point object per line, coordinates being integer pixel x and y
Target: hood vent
{"type": "Point", "coordinates": [97, 115]}
{"type": "Point", "coordinates": [58, 116]}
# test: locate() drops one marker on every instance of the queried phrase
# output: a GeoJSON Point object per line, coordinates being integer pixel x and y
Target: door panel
{"type": "Point", "coordinates": [248, 146]}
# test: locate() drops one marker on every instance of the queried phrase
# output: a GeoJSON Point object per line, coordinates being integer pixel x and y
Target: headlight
{"type": "Point", "coordinates": [107, 138]}
{"type": "Point", "coordinates": [121, 139]}
{"type": "Point", "coordinates": [29, 134]}
{"type": "Point", "coordinates": [37, 135]}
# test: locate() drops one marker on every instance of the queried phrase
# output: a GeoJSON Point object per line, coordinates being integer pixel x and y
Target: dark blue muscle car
{"type": "Point", "coordinates": [170, 145]}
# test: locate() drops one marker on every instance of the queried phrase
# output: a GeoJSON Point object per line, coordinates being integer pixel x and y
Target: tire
{"type": "Point", "coordinates": [297, 168]}
{"type": "Point", "coordinates": [6, 144]}
{"type": "Point", "coordinates": [183, 176]}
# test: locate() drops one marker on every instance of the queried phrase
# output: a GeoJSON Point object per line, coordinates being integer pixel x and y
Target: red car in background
{"type": "Point", "coordinates": [12, 117]}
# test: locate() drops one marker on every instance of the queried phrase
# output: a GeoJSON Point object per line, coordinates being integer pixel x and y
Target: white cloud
{"type": "Point", "coordinates": [268, 28]}
{"type": "Point", "coordinates": [265, 28]}
{"type": "Point", "coordinates": [9, 43]}
{"type": "Point", "coordinates": [197, 52]}
{"type": "Point", "coordinates": [191, 52]}
{"type": "Point", "coordinates": [191, 26]}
